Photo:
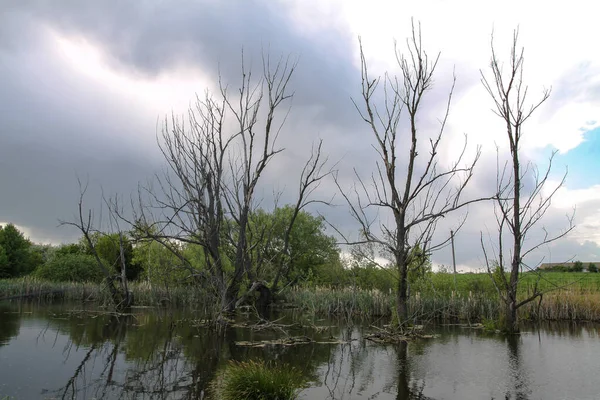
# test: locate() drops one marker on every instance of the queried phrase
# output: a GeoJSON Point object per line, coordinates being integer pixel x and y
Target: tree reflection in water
{"type": "Point", "coordinates": [158, 354]}
{"type": "Point", "coordinates": [150, 359]}
{"type": "Point", "coordinates": [10, 321]}
{"type": "Point", "coordinates": [518, 376]}
{"type": "Point", "coordinates": [409, 387]}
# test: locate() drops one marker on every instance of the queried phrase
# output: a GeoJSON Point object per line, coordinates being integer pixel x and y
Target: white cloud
{"type": "Point", "coordinates": [461, 31]}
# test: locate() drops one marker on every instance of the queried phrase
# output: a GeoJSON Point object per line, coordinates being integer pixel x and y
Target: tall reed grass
{"type": "Point", "coordinates": [345, 301]}
{"type": "Point", "coordinates": [145, 295]}
{"type": "Point", "coordinates": [35, 288]}
{"type": "Point", "coordinates": [574, 304]}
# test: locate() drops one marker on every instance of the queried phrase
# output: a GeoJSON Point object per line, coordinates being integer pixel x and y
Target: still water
{"type": "Point", "coordinates": [55, 351]}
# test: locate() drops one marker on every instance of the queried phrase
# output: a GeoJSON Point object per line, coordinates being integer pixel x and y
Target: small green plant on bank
{"type": "Point", "coordinates": [258, 380]}
{"type": "Point", "coordinates": [490, 325]}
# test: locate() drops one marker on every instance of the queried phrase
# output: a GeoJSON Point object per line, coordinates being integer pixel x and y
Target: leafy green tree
{"type": "Point", "coordinates": [3, 263]}
{"type": "Point", "coordinates": [38, 255]}
{"type": "Point", "coordinates": [70, 248]}
{"type": "Point", "coordinates": [592, 268]}
{"type": "Point", "coordinates": [14, 256]}
{"type": "Point", "coordinates": [310, 248]}
{"type": "Point", "coordinates": [108, 247]}
{"type": "Point", "coordinates": [332, 274]}
{"type": "Point", "coordinates": [419, 266]}
{"type": "Point", "coordinates": [372, 276]}
{"type": "Point", "coordinates": [71, 268]}
{"type": "Point", "coordinates": [577, 267]}
{"type": "Point", "coordinates": [158, 264]}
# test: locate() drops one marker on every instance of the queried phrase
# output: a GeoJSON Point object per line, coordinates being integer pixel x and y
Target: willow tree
{"type": "Point", "coordinates": [409, 191]}
{"type": "Point", "coordinates": [518, 210]}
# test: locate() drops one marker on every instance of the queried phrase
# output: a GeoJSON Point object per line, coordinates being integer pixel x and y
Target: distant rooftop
{"type": "Point", "coordinates": [568, 264]}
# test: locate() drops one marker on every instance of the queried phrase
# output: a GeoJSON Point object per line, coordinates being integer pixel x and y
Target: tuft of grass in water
{"type": "Point", "coordinates": [258, 380]}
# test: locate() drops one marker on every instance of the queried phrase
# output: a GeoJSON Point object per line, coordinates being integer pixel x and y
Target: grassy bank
{"type": "Point", "coordinates": [443, 283]}
{"type": "Point", "coordinates": [145, 295]}
{"type": "Point", "coordinates": [572, 304]}
{"type": "Point", "coordinates": [434, 298]}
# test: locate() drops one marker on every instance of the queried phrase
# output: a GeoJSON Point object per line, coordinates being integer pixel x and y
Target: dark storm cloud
{"type": "Point", "coordinates": [55, 124]}
{"type": "Point", "coordinates": [150, 37]}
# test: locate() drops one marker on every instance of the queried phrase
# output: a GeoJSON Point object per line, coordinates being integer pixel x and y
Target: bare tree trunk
{"type": "Point", "coordinates": [85, 226]}
{"type": "Point", "coordinates": [128, 295]}
{"type": "Point", "coordinates": [254, 155]}
{"type": "Point", "coordinates": [216, 161]}
{"type": "Point", "coordinates": [511, 323]}
{"type": "Point", "coordinates": [517, 211]}
{"type": "Point", "coordinates": [419, 196]}
{"type": "Point", "coordinates": [402, 296]}
{"type": "Point", "coordinates": [311, 177]}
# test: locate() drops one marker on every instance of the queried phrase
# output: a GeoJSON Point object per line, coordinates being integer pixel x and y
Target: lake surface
{"type": "Point", "coordinates": [56, 351]}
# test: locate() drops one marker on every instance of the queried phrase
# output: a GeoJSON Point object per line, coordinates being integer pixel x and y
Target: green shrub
{"type": "Point", "coordinates": [71, 268]}
{"type": "Point", "coordinates": [592, 268]}
{"type": "Point", "coordinates": [257, 380]}
{"type": "Point", "coordinates": [577, 267]}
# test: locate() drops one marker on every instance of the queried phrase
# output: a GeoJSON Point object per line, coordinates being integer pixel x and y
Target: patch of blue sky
{"type": "Point", "coordinates": [583, 162]}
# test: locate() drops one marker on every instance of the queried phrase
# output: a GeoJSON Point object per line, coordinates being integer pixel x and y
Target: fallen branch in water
{"type": "Point", "coordinates": [291, 341]}
{"type": "Point", "coordinates": [387, 335]}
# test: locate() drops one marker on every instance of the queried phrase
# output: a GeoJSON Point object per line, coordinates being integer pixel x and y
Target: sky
{"type": "Point", "coordinates": [84, 85]}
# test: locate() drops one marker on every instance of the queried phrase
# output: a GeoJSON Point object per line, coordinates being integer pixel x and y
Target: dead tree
{"type": "Point", "coordinates": [120, 296]}
{"type": "Point", "coordinates": [517, 210]}
{"type": "Point", "coordinates": [409, 200]}
{"type": "Point", "coordinates": [188, 206]}
{"type": "Point", "coordinates": [314, 171]}
{"type": "Point", "coordinates": [216, 159]}
{"type": "Point", "coordinates": [256, 145]}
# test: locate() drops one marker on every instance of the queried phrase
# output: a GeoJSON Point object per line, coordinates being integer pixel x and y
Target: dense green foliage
{"type": "Point", "coordinates": [310, 247]}
{"type": "Point", "coordinates": [310, 250]}
{"type": "Point", "coordinates": [108, 247]}
{"type": "Point", "coordinates": [16, 259]}
{"type": "Point", "coordinates": [257, 380]}
{"type": "Point", "coordinates": [576, 267]}
{"type": "Point", "coordinates": [159, 266]}
{"type": "Point", "coordinates": [71, 268]}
